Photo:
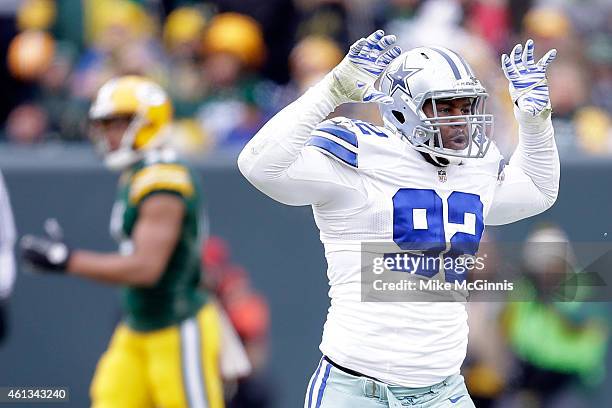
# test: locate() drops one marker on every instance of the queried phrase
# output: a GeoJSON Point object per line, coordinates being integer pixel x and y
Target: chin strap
{"type": "Point", "coordinates": [430, 158]}
{"type": "Point", "coordinates": [435, 161]}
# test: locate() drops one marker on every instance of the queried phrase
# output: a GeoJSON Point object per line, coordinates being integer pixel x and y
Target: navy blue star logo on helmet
{"type": "Point", "coordinates": [399, 78]}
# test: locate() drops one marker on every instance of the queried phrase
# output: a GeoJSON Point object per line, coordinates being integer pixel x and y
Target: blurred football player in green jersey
{"type": "Point", "coordinates": [166, 351]}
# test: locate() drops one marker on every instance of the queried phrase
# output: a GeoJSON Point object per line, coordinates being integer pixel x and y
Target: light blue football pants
{"type": "Point", "coordinates": [330, 387]}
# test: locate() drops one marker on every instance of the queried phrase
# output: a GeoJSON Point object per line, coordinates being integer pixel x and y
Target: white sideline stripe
{"type": "Point", "coordinates": [336, 139]}
{"type": "Point", "coordinates": [192, 360]}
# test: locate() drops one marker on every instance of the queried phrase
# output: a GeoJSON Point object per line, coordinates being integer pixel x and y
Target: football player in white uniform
{"type": "Point", "coordinates": [430, 175]}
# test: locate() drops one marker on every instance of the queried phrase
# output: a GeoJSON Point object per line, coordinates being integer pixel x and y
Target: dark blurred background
{"type": "Point", "coordinates": [229, 65]}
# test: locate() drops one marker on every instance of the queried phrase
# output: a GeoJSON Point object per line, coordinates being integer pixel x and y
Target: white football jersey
{"type": "Point", "coordinates": [405, 343]}
{"type": "Point", "coordinates": [366, 184]}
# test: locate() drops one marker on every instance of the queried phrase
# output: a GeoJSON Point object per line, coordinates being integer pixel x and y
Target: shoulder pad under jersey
{"type": "Point", "coordinates": [339, 138]}
{"type": "Point", "coordinates": [157, 177]}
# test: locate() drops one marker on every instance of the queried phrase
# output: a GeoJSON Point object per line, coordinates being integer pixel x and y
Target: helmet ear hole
{"type": "Point", "coordinates": [399, 116]}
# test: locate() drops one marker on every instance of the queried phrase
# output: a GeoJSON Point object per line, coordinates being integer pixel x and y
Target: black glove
{"type": "Point", "coordinates": [48, 253]}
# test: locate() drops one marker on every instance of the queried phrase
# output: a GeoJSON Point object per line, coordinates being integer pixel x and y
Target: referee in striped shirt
{"type": "Point", "coordinates": [7, 259]}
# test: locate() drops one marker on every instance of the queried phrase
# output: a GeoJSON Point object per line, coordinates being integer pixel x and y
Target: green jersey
{"type": "Point", "coordinates": [176, 296]}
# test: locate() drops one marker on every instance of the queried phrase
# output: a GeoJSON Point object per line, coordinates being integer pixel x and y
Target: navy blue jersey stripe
{"type": "Point", "coordinates": [468, 69]}
{"type": "Point", "coordinates": [334, 148]}
{"type": "Point", "coordinates": [450, 62]}
{"type": "Point", "coordinates": [340, 132]}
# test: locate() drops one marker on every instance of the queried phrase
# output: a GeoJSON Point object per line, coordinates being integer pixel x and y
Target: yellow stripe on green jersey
{"type": "Point", "coordinates": [163, 176]}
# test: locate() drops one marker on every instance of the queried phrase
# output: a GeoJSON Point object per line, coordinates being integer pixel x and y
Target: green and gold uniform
{"type": "Point", "coordinates": [166, 352]}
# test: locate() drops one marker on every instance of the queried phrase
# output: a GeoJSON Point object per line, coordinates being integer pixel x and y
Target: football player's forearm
{"type": "Point", "coordinates": [276, 146]}
{"type": "Point", "coordinates": [531, 181]}
{"type": "Point", "coordinates": [268, 158]}
{"type": "Point", "coordinates": [113, 268]}
{"type": "Point", "coordinates": [537, 153]}
{"type": "Point", "coordinates": [536, 156]}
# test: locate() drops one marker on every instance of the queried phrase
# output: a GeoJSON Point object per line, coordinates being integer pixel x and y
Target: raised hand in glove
{"type": "Point", "coordinates": [46, 253]}
{"type": "Point", "coordinates": [354, 77]}
{"type": "Point", "coordinates": [528, 85]}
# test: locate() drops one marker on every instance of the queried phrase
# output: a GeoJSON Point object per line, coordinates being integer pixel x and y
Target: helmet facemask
{"type": "Point", "coordinates": [424, 74]}
{"type": "Point", "coordinates": [427, 137]}
{"type": "Point", "coordinates": [125, 154]}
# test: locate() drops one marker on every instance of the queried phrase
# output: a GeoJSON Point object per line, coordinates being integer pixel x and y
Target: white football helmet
{"type": "Point", "coordinates": [435, 73]}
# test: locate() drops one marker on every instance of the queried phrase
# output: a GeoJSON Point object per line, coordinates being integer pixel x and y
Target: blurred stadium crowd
{"type": "Point", "coordinates": [229, 65]}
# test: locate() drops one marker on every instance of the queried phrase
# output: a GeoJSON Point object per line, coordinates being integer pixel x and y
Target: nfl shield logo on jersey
{"type": "Point", "coordinates": [442, 176]}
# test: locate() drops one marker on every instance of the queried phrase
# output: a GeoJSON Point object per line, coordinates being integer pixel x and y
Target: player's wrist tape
{"type": "Point", "coordinates": [533, 124]}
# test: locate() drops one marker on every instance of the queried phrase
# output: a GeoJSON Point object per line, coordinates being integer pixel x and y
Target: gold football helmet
{"type": "Point", "coordinates": [149, 111]}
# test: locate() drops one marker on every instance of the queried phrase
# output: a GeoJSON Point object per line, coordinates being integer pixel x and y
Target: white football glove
{"type": "Point", "coordinates": [354, 77]}
{"type": "Point", "coordinates": [528, 85]}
